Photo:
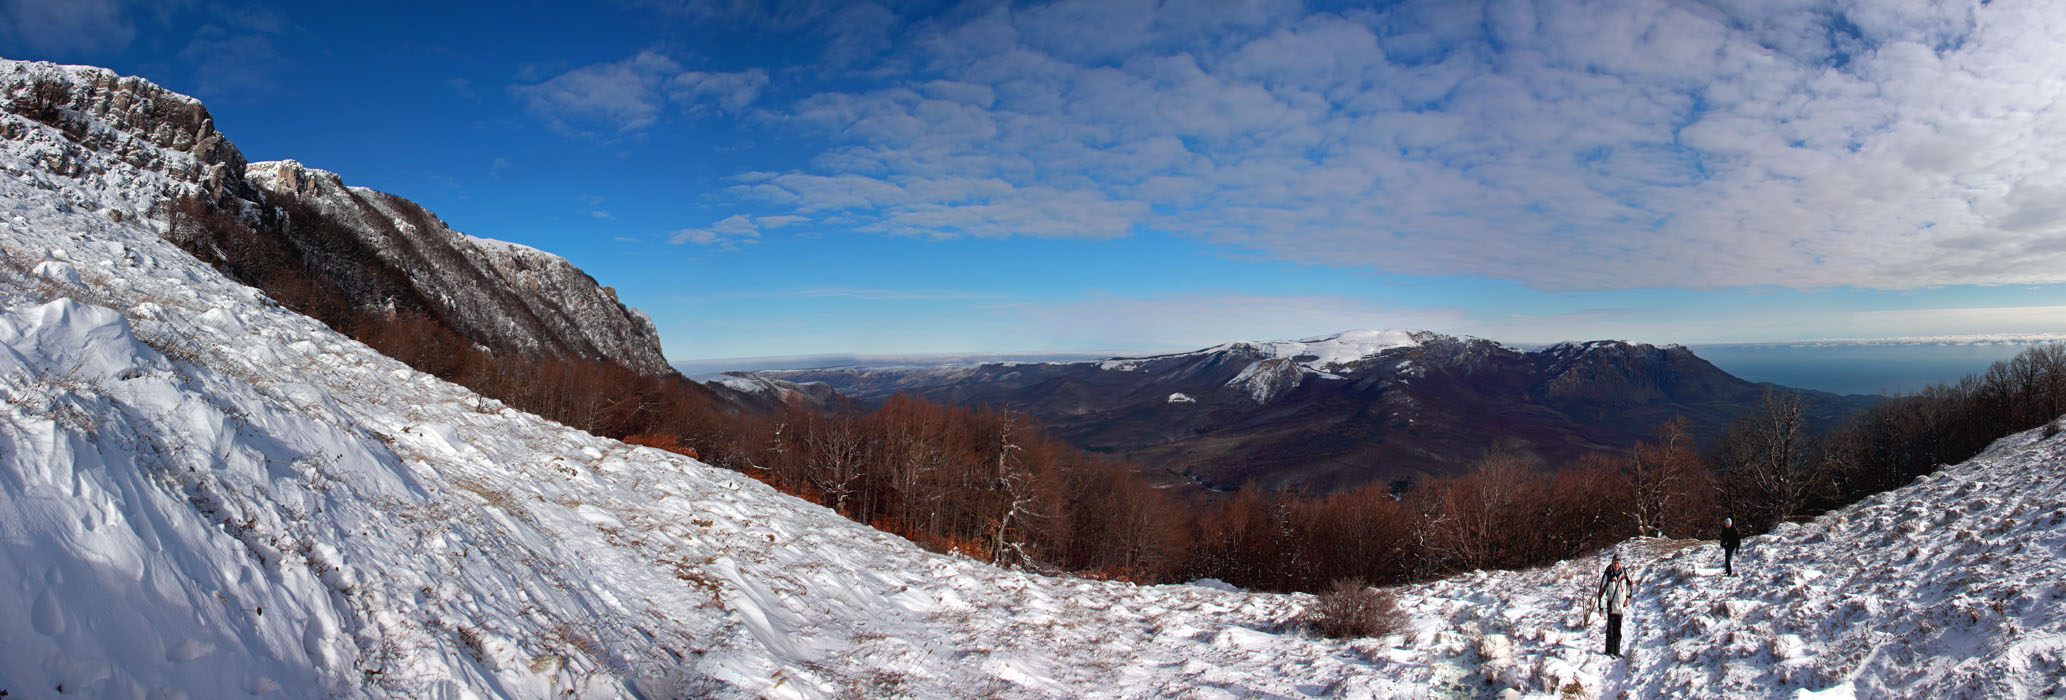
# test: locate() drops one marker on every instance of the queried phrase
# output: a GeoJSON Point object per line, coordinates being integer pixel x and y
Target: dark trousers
{"type": "Point", "coordinates": [1613, 634]}
{"type": "Point", "coordinates": [1728, 553]}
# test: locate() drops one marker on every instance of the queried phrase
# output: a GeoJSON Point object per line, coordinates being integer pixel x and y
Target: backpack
{"type": "Point", "coordinates": [1615, 592]}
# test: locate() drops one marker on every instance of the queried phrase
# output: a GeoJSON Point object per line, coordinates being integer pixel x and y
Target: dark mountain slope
{"type": "Point", "coordinates": [1339, 411]}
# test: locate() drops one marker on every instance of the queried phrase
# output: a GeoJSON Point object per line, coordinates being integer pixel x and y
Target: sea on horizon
{"type": "Point", "coordinates": [1858, 368]}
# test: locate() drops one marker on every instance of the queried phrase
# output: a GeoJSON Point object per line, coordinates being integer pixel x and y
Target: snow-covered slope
{"type": "Point", "coordinates": [1276, 367]}
{"type": "Point", "coordinates": [1951, 587]}
{"type": "Point", "coordinates": [346, 525]}
{"type": "Point", "coordinates": [1319, 353]}
{"type": "Point", "coordinates": [756, 393]}
{"type": "Point", "coordinates": [134, 146]}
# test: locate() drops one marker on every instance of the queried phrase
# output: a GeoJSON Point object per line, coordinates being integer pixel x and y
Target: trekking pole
{"type": "Point", "coordinates": [1592, 603]}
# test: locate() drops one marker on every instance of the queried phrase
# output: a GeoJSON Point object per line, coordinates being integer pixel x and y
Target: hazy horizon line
{"type": "Point", "coordinates": [719, 365]}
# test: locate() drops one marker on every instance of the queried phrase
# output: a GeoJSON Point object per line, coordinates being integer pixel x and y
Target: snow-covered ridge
{"type": "Point", "coordinates": [144, 145]}
{"type": "Point", "coordinates": [510, 296]}
{"type": "Point", "coordinates": [1280, 366]}
{"type": "Point", "coordinates": [1319, 353]}
{"type": "Point", "coordinates": [507, 247]}
{"type": "Point", "coordinates": [132, 120]}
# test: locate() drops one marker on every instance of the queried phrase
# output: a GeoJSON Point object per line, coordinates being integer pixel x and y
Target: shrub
{"type": "Point", "coordinates": [1350, 609]}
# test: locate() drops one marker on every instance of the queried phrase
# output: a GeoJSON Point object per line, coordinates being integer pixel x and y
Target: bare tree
{"type": "Point", "coordinates": [1018, 498]}
{"type": "Point", "coordinates": [1665, 481]}
{"type": "Point", "coordinates": [836, 454]}
{"type": "Point", "coordinates": [1767, 452]}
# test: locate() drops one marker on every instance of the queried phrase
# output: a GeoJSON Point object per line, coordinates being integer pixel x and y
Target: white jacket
{"type": "Point", "coordinates": [1615, 592]}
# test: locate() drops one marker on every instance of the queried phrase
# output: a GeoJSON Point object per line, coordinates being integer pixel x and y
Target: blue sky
{"type": "Point", "coordinates": [816, 177]}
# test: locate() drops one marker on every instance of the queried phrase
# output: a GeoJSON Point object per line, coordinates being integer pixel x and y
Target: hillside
{"type": "Point", "coordinates": [362, 529]}
{"type": "Point", "coordinates": [1948, 588]}
{"type": "Point", "coordinates": [1334, 412]}
{"type": "Point", "coordinates": [149, 152]}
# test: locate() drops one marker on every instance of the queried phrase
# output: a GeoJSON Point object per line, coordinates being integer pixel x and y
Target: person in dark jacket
{"type": "Point", "coordinates": [1730, 541]}
{"type": "Point", "coordinates": [1615, 591]}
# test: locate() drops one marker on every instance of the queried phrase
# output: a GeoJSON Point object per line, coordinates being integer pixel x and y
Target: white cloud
{"type": "Point", "coordinates": [66, 27]}
{"type": "Point", "coordinates": [730, 91]}
{"type": "Point", "coordinates": [625, 95]}
{"type": "Point", "coordinates": [1571, 145]}
{"type": "Point", "coordinates": [1202, 320]}
{"type": "Point", "coordinates": [229, 48]}
{"type": "Point", "coordinates": [1787, 316]}
{"type": "Point", "coordinates": [727, 233]}
{"type": "Point", "coordinates": [631, 95]}
{"type": "Point", "coordinates": [732, 231]}
{"type": "Point", "coordinates": [239, 61]}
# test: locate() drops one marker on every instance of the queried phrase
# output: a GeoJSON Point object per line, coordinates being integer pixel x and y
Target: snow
{"type": "Point", "coordinates": [1322, 353]}
{"type": "Point", "coordinates": [508, 247]}
{"type": "Point", "coordinates": [743, 384]}
{"type": "Point", "coordinates": [59, 272]}
{"type": "Point", "coordinates": [509, 295]}
{"type": "Point", "coordinates": [1181, 397]}
{"type": "Point", "coordinates": [1282, 365]}
{"type": "Point", "coordinates": [1347, 346]}
{"type": "Point", "coordinates": [204, 495]}
{"type": "Point", "coordinates": [1267, 379]}
{"type": "Point", "coordinates": [1950, 587]}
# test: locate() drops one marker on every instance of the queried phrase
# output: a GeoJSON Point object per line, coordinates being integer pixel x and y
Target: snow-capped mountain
{"type": "Point", "coordinates": [383, 252]}
{"type": "Point", "coordinates": [1342, 410]}
{"type": "Point", "coordinates": [203, 494]}
{"type": "Point", "coordinates": [762, 394]}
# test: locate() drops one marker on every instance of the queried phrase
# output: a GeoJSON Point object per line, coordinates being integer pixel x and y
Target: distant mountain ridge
{"type": "Point", "coordinates": [385, 253]}
{"type": "Point", "coordinates": [1338, 411]}
{"type": "Point", "coordinates": [763, 395]}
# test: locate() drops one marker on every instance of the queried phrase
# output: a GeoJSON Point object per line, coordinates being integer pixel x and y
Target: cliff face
{"type": "Point", "coordinates": [505, 296]}
{"type": "Point", "coordinates": [153, 147]}
{"type": "Point", "coordinates": [131, 120]}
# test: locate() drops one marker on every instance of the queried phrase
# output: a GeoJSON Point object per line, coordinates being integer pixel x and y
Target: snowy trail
{"type": "Point", "coordinates": [1948, 588]}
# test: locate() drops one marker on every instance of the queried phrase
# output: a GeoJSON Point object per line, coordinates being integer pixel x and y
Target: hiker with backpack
{"type": "Point", "coordinates": [1730, 541]}
{"type": "Point", "coordinates": [1615, 590]}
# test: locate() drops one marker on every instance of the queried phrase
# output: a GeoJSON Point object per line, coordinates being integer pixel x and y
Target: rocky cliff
{"type": "Point", "coordinates": [130, 119]}
{"type": "Point", "coordinates": [156, 148]}
{"type": "Point", "coordinates": [502, 295]}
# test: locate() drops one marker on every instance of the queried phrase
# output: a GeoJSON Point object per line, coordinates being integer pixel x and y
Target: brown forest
{"type": "Point", "coordinates": [994, 486]}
